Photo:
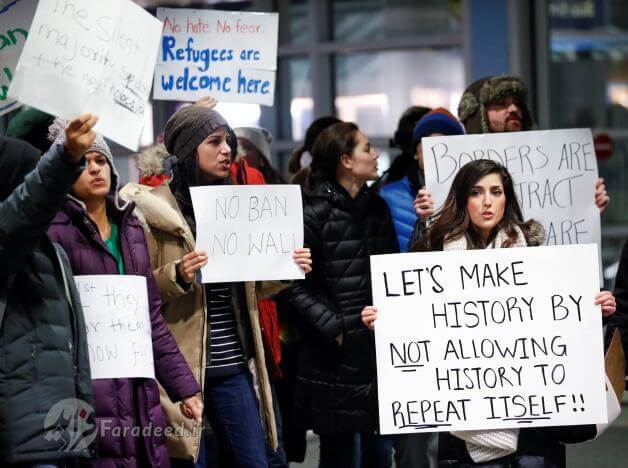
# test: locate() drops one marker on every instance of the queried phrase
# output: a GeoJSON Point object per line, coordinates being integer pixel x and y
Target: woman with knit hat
{"type": "Point", "coordinates": [102, 237]}
{"type": "Point", "coordinates": [216, 325]}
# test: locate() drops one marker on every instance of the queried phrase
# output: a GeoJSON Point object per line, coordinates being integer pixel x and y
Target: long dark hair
{"type": "Point", "coordinates": [452, 220]}
{"type": "Point", "coordinates": [315, 129]}
{"type": "Point", "coordinates": [331, 144]}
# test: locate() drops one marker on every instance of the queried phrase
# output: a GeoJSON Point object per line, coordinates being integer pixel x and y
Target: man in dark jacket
{"type": "Point", "coordinates": [45, 387]}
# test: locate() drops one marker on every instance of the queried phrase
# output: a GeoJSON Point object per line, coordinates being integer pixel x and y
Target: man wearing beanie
{"type": "Point", "coordinates": [215, 325]}
{"type": "Point", "coordinates": [496, 104]}
{"type": "Point", "coordinates": [400, 195]}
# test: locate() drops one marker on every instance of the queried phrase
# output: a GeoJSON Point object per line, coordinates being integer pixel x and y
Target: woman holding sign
{"type": "Point", "coordinates": [101, 237]}
{"type": "Point", "coordinates": [482, 212]}
{"type": "Point", "coordinates": [345, 223]}
{"type": "Point", "coordinates": [216, 325]}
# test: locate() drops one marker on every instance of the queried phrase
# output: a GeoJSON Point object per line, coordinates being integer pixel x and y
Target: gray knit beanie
{"type": "Point", "coordinates": [259, 137]}
{"type": "Point", "coordinates": [56, 134]}
{"type": "Point", "coordinates": [186, 129]}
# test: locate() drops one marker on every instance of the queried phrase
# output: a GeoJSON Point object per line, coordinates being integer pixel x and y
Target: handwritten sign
{"type": "Point", "coordinates": [231, 56]}
{"type": "Point", "coordinates": [554, 174]}
{"type": "Point", "coordinates": [480, 339]}
{"type": "Point", "coordinates": [248, 232]}
{"type": "Point", "coordinates": [15, 21]}
{"type": "Point", "coordinates": [85, 56]}
{"type": "Point", "coordinates": [119, 332]}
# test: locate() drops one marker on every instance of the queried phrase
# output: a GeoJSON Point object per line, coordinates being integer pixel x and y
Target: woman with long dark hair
{"type": "Point", "coordinates": [482, 212]}
{"type": "Point", "coordinates": [345, 223]}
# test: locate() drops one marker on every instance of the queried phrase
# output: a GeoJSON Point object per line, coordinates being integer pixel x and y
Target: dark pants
{"type": "Point", "coordinates": [342, 451]}
{"type": "Point", "coordinates": [232, 410]}
{"type": "Point", "coordinates": [276, 458]}
{"type": "Point", "coordinates": [411, 450]}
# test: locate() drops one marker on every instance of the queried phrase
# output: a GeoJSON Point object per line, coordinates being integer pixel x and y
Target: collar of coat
{"type": "Point", "coordinates": [157, 208]}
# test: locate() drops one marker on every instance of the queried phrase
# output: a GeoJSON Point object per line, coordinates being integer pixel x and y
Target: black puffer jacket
{"type": "Point", "coordinates": [335, 389]}
{"type": "Point", "coordinates": [43, 351]}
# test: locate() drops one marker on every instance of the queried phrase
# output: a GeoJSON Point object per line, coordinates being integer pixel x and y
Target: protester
{"type": "Point", "coordinates": [45, 381]}
{"type": "Point", "coordinates": [482, 212]}
{"type": "Point", "coordinates": [216, 325]}
{"type": "Point", "coordinates": [255, 148]}
{"type": "Point", "coordinates": [408, 198]}
{"type": "Point", "coordinates": [345, 223]}
{"type": "Point", "coordinates": [102, 237]}
{"type": "Point", "coordinates": [301, 158]}
{"type": "Point", "coordinates": [402, 139]}
{"type": "Point", "coordinates": [496, 104]}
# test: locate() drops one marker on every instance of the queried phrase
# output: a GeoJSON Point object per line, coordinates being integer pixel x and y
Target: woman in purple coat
{"type": "Point", "coordinates": [103, 238]}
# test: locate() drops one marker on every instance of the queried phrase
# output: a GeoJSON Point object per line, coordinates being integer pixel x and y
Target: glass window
{"type": "Point", "coordinates": [589, 88]}
{"type": "Point", "coordinates": [360, 20]}
{"type": "Point", "coordinates": [300, 103]}
{"type": "Point", "coordinates": [373, 89]}
{"type": "Point", "coordinates": [298, 30]}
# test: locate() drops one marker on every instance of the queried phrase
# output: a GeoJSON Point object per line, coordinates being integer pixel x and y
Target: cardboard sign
{"type": "Point", "coordinates": [15, 22]}
{"type": "Point", "coordinates": [554, 174]}
{"type": "Point", "coordinates": [231, 56]}
{"type": "Point", "coordinates": [249, 232]}
{"type": "Point", "coordinates": [481, 339]}
{"type": "Point", "coordinates": [119, 331]}
{"type": "Point", "coordinates": [85, 56]}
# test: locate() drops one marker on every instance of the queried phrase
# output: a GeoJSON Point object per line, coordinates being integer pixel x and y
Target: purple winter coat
{"type": "Point", "coordinates": [114, 399]}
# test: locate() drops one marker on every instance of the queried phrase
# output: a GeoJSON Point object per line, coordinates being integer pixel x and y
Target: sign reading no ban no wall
{"type": "Point", "coordinates": [488, 339]}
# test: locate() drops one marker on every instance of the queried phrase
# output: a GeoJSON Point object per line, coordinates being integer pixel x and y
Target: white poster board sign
{"type": "Point", "coordinates": [480, 339]}
{"type": "Point", "coordinates": [15, 22]}
{"type": "Point", "coordinates": [249, 232]}
{"type": "Point", "coordinates": [554, 174]}
{"type": "Point", "coordinates": [117, 319]}
{"type": "Point", "coordinates": [85, 56]}
{"type": "Point", "coordinates": [231, 56]}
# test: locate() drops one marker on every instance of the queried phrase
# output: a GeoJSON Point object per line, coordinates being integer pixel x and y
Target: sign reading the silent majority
{"type": "Point", "coordinates": [85, 56]}
{"type": "Point", "coordinates": [15, 21]}
{"type": "Point", "coordinates": [554, 174]}
{"type": "Point", "coordinates": [249, 232]}
{"type": "Point", "coordinates": [231, 56]}
{"type": "Point", "coordinates": [479, 339]}
{"type": "Point", "coordinates": [117, 319]}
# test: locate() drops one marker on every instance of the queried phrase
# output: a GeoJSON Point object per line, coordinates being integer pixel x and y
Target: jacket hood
{"type": "Point", "coordinates": [472, 107]}
{"type": "Point", "coordinates": [534, 233]}
{"type": "Point", "coordinates": [17, 158]}
{"type": "Point", "coordinates": [155, 207]}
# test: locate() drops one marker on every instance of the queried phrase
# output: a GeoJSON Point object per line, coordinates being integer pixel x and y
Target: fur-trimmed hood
{"type": "Point", "coordinates": [534, 233]}
{"type": "Point", "coordinates": [472, 107]}
{"type": "Point", "coordinates": [151, 161]}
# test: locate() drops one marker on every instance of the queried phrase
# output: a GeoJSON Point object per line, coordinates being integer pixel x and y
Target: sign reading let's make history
{"type": "Point", "coordinates": [479, 339]}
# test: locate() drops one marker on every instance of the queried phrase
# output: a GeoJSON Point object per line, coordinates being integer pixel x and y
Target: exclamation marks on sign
{"type": "Point", "coordinates": [577, 401]}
